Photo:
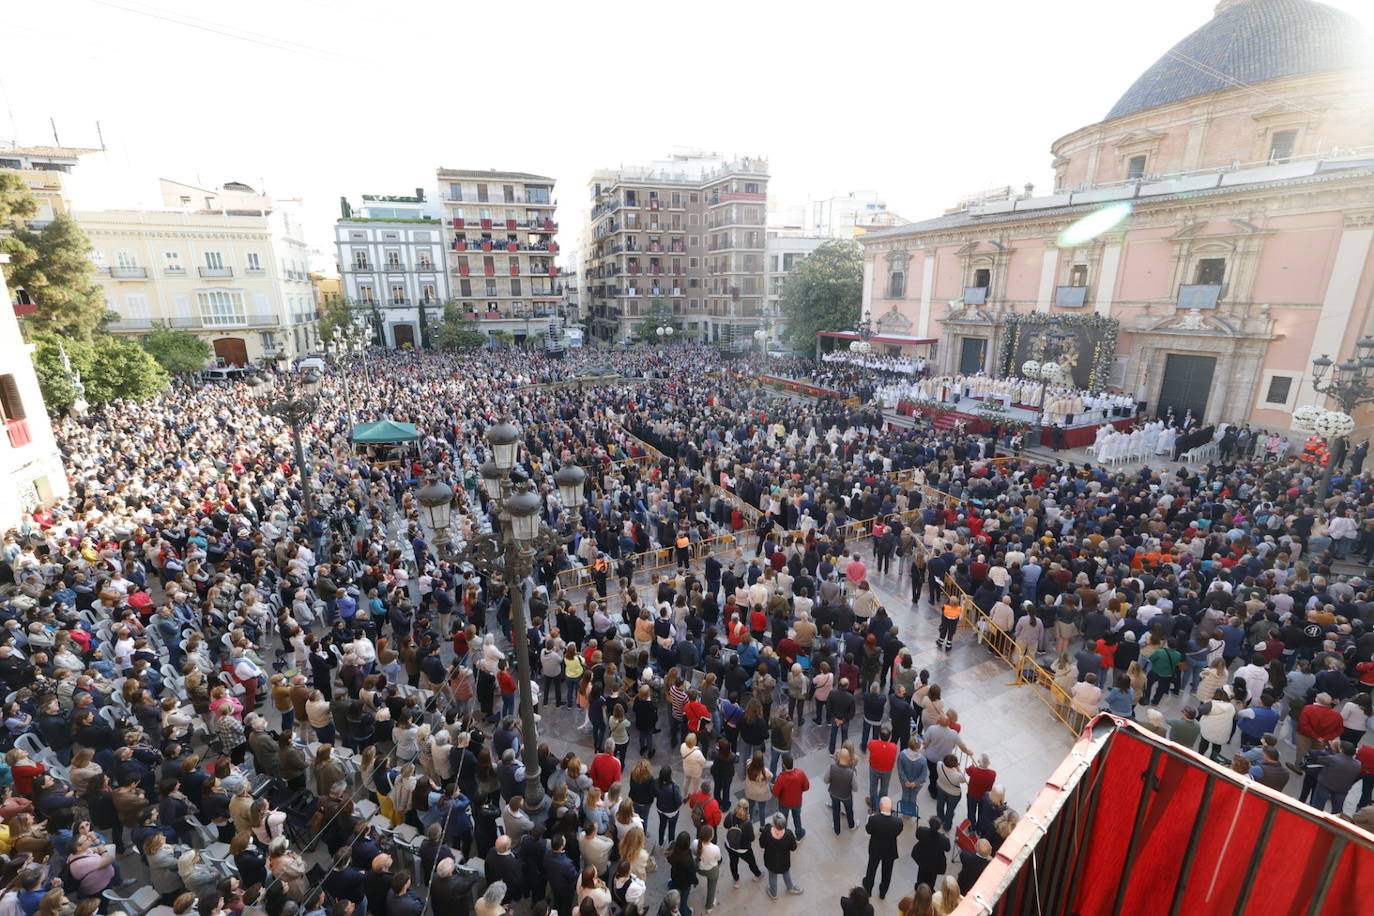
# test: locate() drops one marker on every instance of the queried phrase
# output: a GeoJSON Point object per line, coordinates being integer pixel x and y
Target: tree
{"type": "Point", "coordinates": [456, 332]}
{"type": "Point", "coordinates": [335, 316]}
{"type": "Point", "coordinates": [60, 280]}
{"type": "Point", "coordinates": [658, 316]}
{"type": "Point", "coordinates": [17, 205]}
{"type": "Point", "coordinates": [110, 369]}
{"type": "Point", "coordinates": [823, 293]}
{"type": "Point", "coordinates": [179, 352]}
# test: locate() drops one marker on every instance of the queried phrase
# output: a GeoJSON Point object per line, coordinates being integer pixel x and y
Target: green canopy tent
{"type": "Point", "coordinates": [384, 432]}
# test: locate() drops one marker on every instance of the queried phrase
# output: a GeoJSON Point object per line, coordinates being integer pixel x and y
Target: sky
{"type": "Point", "coordinates": [317, 99]}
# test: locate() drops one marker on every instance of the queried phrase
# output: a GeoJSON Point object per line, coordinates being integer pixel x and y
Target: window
{"type": "Point", "coordinates": [219, 308]}
{"type": "Point", "coordinates": [693, 197]}
{"type": "Point", "coordinates": [1135, 168]}
{"type": "Point", "coordinates": [393, 260]}
{"type": "Point", "coordinates": [138, 306]}
{"type": "Point", "coordinates": [982, 277]}
{"type": "Point", "coordinates": [1078, 275]}
{"type": "Point", "coordinates": [171, 262]}
{"type": "Point", "coordinates": [676, 199]}
{"type": "Point", "coordinates": [360, 260]}
{"type": "Point", "coordinates": [214, 260]}
{"type": "Point", "coordinates": [491, 288]}
{"type": "Point", "coordinates": [896, 284]}
{"type": "Point", "coordinates": [694, 303]}
{"type": "Point", "coordinates": [482, 193]}
{"type": "Point", "coordinates": [1279, 387]}
{"type": "Point", "coordinates": [791, 258]}
{"type": "Point", "coordinates": [398, 294]}
{"type": "Point", "coordinates": [427, 292]}
{"type": "Point", "coordinates": [425, 262]}
{"type": "Point", "coordinates": [390, 236]}
{"type": "Point", "coordinates": [98, 258]}
{"type": "Point", "coordinates": [455, 192]}
{"type": "Point", "coordinates": [508, 193]}
{"type": "Point", "coordinates": [484, 212]}
{"type": "Point", "coordinates": [515, 286]}
{"type": "Point", "coordinates": [1211, 271]}
{"type": "Point", "coordinates": [365, 292]}
{"type": "Point", "coordinates": [465, 287]}
{"type": "Point", "coordinates": [691, 262]}
{"type": "Point", "coordinates": [125, 259]}
{"type": "Point", "coordinates": [11, 404]}
{"type": "Point", "coordinates": [355, 235]}
{"type": "Point", "coordinates": [751, 188]}
{"type": "Point", "coordinates": [1281, 146]}
{"type": "Point", "coordinates": [253, 263]}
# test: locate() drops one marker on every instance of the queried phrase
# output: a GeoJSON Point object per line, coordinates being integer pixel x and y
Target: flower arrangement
{"type": "Point", "coordinates": [1100, 329]}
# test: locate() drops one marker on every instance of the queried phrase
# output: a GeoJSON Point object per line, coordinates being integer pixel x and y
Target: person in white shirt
{"type": "Point", "coordinates": [1256, 676]}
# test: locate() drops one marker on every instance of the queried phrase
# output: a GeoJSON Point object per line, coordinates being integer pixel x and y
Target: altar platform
{"type": "Point", "coordinates": [948, 414]}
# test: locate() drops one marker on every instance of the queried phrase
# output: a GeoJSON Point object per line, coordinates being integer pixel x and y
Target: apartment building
{"type": "Point", "coordinates": [392, 265]}
{"type": "Point", "coordinates": [44, 169]}
{"type": "Point", "coordinates": [687, 232]}
{"type": "Point", "coordinates": [785, 248]}
{"type": "Point", "coordinates": [501, 248]}
{"type": "Point", "coordinates": [228, 264]}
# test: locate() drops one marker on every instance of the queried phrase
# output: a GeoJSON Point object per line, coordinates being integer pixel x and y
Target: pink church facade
{"type": "Point", "coordinates": [1237, 236]}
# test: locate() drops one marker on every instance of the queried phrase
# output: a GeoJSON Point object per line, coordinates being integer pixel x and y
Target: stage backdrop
{"type": "Point", "coordinates": [1087, 354]}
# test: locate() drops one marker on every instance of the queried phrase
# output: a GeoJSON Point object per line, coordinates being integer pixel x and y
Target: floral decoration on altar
{"type": "Point", "coordinates": [1099, 329]}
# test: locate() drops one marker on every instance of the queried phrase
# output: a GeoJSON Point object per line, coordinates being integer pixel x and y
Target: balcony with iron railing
{"type": "Point", "coordinates": [129, 273]}
{"type": "Point", "coordinates": [217, 271]}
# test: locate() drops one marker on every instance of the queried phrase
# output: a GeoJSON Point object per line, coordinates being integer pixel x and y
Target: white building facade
{"type": "Point", "coordinates": [230, 265]}
{"type": "Point", "coordinates": [393, 268]}
{"type": "Point", "coordinates": [31, 471]}
{"type": "Point", "coordinates": [783, 250]}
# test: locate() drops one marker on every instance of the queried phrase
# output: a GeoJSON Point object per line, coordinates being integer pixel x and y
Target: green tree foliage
{"type": "Point", "coordinates": [823, 293]}
{"type": "Point", "coordinates": [335, 316]}
{"type": "Point", "coordinates": [659, 315]}
{"type": "Point", "coordinates": [110, 368]}
{"type": "Point", "coordinates": [456, 332]}
{"type": "Point", "coordinates": [60, 280]}
{"type": "Point", "coordinates": [178, 352]}
{"type": "Point", "coordinates": [17, 204]}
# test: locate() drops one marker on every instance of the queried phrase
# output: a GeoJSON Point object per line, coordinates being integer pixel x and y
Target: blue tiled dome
{"type": "Point", "coordinates": [1250, 41]}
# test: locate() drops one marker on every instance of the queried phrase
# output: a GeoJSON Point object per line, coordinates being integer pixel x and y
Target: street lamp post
{"type": "Point", "coordinates": [510, 554]}
{"type": "Point", "coordinates": [1349, 384]}
{"type": "Point", "coordinates": [295, 411]}
{"type": "Point", "coordinates": [665, 332]}
{"type": "Point", "coordinates": [864, 328]}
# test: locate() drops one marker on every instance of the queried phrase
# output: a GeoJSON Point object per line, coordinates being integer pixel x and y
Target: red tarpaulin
{"type": "Point", "coordinates": [1133, 823]}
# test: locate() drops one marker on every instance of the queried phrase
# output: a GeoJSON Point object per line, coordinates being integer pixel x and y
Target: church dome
{"type": "Point", "coordinates": [1251, 41]}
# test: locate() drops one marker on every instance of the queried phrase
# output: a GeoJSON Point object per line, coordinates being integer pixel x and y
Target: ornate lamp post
{"type": "Point", "coordinates": [1349, 384]}
{"type": "Point", "coordinates": [864, 329]}
{"type": "Point", "coordinates": [665, 333]}
{"type": "Point", "coordinates": [295, 411]}
{"type": "Point", "coordinates": [509, 554]}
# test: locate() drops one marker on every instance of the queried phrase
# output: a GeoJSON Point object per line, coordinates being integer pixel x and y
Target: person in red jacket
{"type": "Point", "coordinates": [605, 769]}
{"type": "Point", "coordinates": [697, 715]}
{"type": "Point", "coordinates": [882, 760]}
{"type": "Point", "coordinates": [1318, 723]}
{"type": "Point", "coordinates": [23, 770]}
{"type": "Point", "coordinates": [705, 799]}
{"type": "Point", "coordinates": [788, 787]}
{"type": "Point", "coordinates": [506, 682]}
{"type": "Point", "coordinates": [980, 781]}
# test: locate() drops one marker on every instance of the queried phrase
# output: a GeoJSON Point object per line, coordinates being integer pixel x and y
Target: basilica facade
{"type": "Point", "coordinates": [1202, 245]}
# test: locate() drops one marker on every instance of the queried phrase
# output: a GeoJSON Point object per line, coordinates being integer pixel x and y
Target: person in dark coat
{"type": "Point", "coordinates": [972, 863]}
{"type": "Point", "coordinates": [883, 828]}
{"type": "Point", "coordinates": [561, 874]}
{"type": "Point", "coordinates": [450, 890]}
{"type": "Point", "coordinates": [931, 852]}
{"type": "Point", "coordinates": [401, 899]}
{"type": "Point", "coordinates": [377, 884]}
{"type": "Point", "coordinates": [344, 881]}
{"type": "Point", "coordinates": [503, 866]}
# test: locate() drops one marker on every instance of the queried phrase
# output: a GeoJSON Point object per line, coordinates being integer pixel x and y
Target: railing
{"type": "Point", "coordinates": [174, 271]}
{"type": "Point", "coordinates": [217, 271]}
{"type": "Point", "coordinates": [129, 273]}
{"type": "Point", "coordinates": [131, 324]}
{"type": "Point", "coordinates": [290, 274]}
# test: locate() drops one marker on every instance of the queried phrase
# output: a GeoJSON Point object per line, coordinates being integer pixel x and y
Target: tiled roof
{"type": "Point", "coordinates": [1250, 42]}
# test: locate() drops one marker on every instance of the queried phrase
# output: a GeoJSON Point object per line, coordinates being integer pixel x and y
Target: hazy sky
{"type": "Point", "coordinates": [923, 102]}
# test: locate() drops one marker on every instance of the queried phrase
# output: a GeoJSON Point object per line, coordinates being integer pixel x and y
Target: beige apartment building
{"type": "Point", "coordinates": [228, 264]}
{"type": "Point", "coordinates": [687, 234]}
{"type": "Point", "coordinates": [501, 247]}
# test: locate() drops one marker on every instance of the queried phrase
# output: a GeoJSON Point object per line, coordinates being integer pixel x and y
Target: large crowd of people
{"type": "Point", "coordinates": [267, 709]}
